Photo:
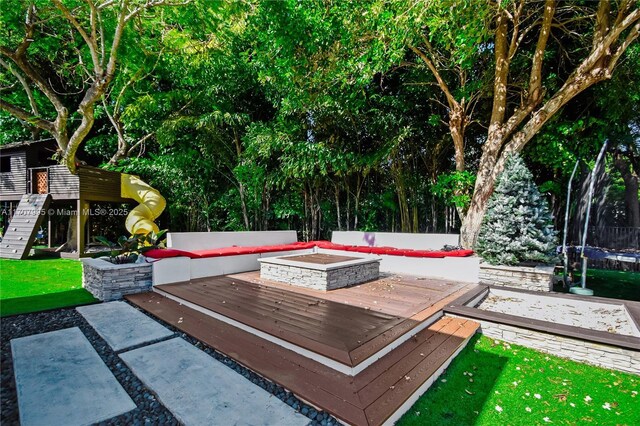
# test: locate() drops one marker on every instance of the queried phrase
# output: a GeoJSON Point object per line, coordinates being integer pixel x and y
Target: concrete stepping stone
{"type": "Point", "coordinates": [122, 325]}
{"type": "Point", "coordinates": [61, 380]}
{"type": "Point", "coordinates": [200, 390]}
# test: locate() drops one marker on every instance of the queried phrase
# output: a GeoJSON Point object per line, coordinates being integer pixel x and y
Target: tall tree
{"type": "Point", "coordinates": [93, 32]}
{"type": "Point", "coordinates": [521, 108]}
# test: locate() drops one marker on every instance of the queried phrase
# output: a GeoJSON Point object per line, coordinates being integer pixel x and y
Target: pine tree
{"type": "Point", "coordinates": [517, 226]}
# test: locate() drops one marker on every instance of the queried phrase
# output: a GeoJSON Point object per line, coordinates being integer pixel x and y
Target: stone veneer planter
{"type": "Point", "coordinates": [108, 281]}
{"type": "Point", "coordinates": [539, 278]}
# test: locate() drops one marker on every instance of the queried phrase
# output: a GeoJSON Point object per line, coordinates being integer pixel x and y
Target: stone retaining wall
{"type": "Point", "coordinates": [539, 278]}
{"type": "Point", "coordinates": [107, 281]}
{"type": "Point", "coordinates": [598, 354]}
{"type": "Point", "coordinates": [318, 279]}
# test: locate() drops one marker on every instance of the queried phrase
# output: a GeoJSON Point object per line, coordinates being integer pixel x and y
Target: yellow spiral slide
{"type": "Point", "coordinates": [140, 219]}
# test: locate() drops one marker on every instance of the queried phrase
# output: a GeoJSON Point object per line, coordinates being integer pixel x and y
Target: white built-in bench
{"type": "Point", "coordinates": [179, 269]}
{"type": "Point", "coordinates": [465, 269]}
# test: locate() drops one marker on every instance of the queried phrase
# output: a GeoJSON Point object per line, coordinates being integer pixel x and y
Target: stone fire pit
{"type": "Point", "coordinates": [320, 271]}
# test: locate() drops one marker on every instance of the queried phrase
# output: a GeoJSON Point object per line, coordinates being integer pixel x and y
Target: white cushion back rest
{"type": "Point", "coordinates": [395, 239]}
{"type": "Point", "coordinates": [211, 240]}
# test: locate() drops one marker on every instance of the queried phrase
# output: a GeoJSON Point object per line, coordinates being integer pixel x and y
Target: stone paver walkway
{"type": "Point", "coordinates": [122, 325]}
{"type": "Point", "coordinates": [61, 380]}
{"type": "Point", "coordinates": [199, 390]}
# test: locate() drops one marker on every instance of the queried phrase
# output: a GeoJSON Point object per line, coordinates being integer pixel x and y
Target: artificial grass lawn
{"type": "Point", "coordinates": [33, 285]}
{"type": "Point", "coordinates": [495, 383]}
{"type": "Point", "coordinates": [615, 284]}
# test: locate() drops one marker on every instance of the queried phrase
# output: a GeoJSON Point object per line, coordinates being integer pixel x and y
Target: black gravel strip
{"type": "Point", "coordinates": [149, 410]}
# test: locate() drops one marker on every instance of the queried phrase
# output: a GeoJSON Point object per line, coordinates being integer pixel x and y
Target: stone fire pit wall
{"type": "Point", "coordinates": [320, 280]}
{"type": "Point", "coordinates": [539, 278]}
{"type": "Point", "coordinates": [108, 281]}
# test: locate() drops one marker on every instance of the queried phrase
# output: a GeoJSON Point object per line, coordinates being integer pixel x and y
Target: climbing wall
{"type": "Point", "coordinates": [24, 225]}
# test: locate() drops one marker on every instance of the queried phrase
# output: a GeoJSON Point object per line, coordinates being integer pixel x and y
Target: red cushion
{"type": "Point", "coordinates": [420, 253]}
{"type": "Point", "coordinates": [323, 244]}
{"type": "Point", "coordinates": [277, 247]}
{"type": "Point", "coordinates": [223, 251]}
{"type": "Point", "coordinates": [391, 251]}
{"type": "Point", "coordinates": [358, 249]}
{"type": "Point", "coordinates": [165, 253]}
{"type": "Point", "coordinates": [303, 245]}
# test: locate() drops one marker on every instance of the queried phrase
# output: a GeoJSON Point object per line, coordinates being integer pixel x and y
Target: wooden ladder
{"type": "Point", "coordinates": [23, 227]}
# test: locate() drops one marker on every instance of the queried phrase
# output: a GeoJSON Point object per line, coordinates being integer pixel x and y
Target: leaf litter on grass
{"type": "Point", "coordinates": [554, 395]}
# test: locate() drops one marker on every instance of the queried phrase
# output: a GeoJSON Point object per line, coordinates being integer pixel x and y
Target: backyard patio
{"type": "Point", "coordinates": [288, 213]}
{"type": "Point", "coordinates": [480, 386]}
{"type": "Point", "coordinates": [363, 354]}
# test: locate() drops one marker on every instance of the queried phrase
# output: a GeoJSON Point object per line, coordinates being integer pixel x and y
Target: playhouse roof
{"type": "Point", "coordinates": [22, 144]}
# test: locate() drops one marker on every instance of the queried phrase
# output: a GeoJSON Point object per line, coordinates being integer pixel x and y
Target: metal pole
{"type": "Point", "coordinates": [566, 223]}
{"type": "Point", "coordinates": [583, 278]}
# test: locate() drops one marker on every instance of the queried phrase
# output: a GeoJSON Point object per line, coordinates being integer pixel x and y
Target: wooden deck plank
{"type": "Point", "coordinates": [261, 320]}
{"type": "Point", "coordinates": [313, 382]}
{"type": "Point", "coordinates": [340, 394]}
{"type": "Point", "coordinates": [384, 364]}
{"type": "Point", "coordinates": [274, 306]}
{"type": "Point", "coordinates": [429, 343]}
{"type": "Point", "coordinates": [394, 295]}
{"type": "Point", "coordinates": [313, 308]}
{"type": "Point", "coordinates": [363, 351]}
{"type": "Point", "coordinates": [298, 319]}
{"type": "Point", "coordinates": [378, 411]}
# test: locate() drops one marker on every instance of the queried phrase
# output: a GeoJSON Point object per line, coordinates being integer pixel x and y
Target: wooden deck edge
{"type": "Point", "coordinates": [314, 356]}
{"type": "Point", "coordinates": [352, 363]}
{"type": "Point", "coordinates": [410, 327]}
{"type": "Point", "coordinates": [413, 398]}
{"type": "Point", "coordinates": [393, 402]}
{"type": "Point", "coordinates": [327, 396]}
{"type": "Point", "coordinates": [596, 336]}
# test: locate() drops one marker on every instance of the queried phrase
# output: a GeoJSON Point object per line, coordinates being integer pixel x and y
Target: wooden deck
{"type": "Point", "coordinates": [346, 325]}
{"type": "Point", "coordinates": [371, 397]}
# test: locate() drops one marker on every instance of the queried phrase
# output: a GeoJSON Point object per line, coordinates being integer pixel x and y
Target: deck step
{"type": "Point", "coordinates": [377, 395]}
{"type": "Point", "coordinates": [24, 225]}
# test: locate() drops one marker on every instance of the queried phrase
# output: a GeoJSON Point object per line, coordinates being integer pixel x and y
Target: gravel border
{"type": "Point", "coordinates": [149, 410]}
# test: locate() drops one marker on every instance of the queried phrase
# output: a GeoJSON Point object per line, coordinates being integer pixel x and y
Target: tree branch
{"type": "Point", "coordinates": [602, 22]}
{"type": "Point", "coordinates": [535, 80]}
{"type": "Point", "coordinates": [515, 41]}
{"type": "Point", "coordinates": [441, 83]}
{"type": "Point", "coordinates": [25, 86]}
{"type": "Point", "coordinates": [631, 37]}
{"type": "Point", "coordinates": [90, 42]}
{"type": "Point", "coordinates": [27, 117]}
{"type": "Point", "coordinates": [117, 37]}
{"type": "Point", "coordinates": [501, 73]}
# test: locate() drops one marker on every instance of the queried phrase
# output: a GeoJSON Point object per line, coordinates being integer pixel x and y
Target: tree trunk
{"type": "Point", "coordinates": [348, 210]}
{"type": "Point", "coordinates": [337, 195]}
{"type": "Point", "coordinates": [243, 203]}
{"type": "Point", "coordinates": [266, 205]}
{"type": "Point", "coordinates": [630, 178]}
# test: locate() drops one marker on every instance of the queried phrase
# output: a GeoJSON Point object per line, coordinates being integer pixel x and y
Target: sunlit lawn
{"type": "Point", "coordinates": [494, 383]}
{"type": "Point", "coordinates": [33, 285]}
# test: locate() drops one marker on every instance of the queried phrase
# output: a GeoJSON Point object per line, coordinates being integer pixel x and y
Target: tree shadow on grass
{"type": "Point", "coordinates": [45, 302]}
{"type": "Point", "coordinates": [459, 395]}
